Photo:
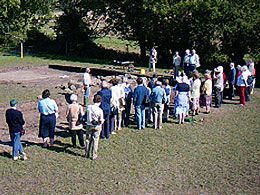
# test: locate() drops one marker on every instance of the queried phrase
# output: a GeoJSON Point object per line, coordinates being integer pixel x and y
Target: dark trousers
{"type": "Point", "coordinates": [217, 96]}
{"type": "Point", "coordinates": [176, 71]}
{"type": "Point", "coordinates": [192, 67]}
{"type": "Point", "coordinates": [186, 68]}
{"type": "Point", "coordinates": [105, 133]}
{"type": "Point", "coordinates": [126, 114]}
{"type": "Point", "coordinates": [231, 92]}
{"type": "Point", "coordinates": [47, 125]}
{"type": "Point", "coordinates": [111, 123]}
{"type": "Point", "coordinates": [247, 93]}
{"type": "Point", "coordinates": [80, 134]}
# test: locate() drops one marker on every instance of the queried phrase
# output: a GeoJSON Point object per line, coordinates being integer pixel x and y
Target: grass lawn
{"type": "Point", "coordinates": [220, 155]}
{"type": "Point", "coordinates": [217, 156]}
{"type": "Point", "coordinates": [118, 44]}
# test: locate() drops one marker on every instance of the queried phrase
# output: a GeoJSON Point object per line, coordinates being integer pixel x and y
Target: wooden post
{"type": "Point", "coordinates": [21, 49]}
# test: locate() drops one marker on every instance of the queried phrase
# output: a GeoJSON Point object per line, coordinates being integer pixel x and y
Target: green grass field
{"type": "Point", "coordinates": [118, 44]}
{"type": "Point", "coordinates": [220, 155]}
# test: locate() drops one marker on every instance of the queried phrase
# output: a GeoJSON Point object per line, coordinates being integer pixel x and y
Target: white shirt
{"type": "Point", "coordinates": [86, 79]}
{"type": "Point", "coordinates": [176, 60]}
{"type": "Point", "coordinates": [95, 113]}
{"type": "Point", "coordinates": [194, 59]}
{"type": "Point", "coordinates": [117, 93]}
{"type": "Point", "coordinates": [153, 56]}
{"type": "Point", "coordinates": [195, 89]}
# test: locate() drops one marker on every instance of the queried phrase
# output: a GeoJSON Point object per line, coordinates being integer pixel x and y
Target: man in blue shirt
{"type": "Point", "coordinates": [139, 98]}
{"type": "Point", "coordinates": [158, 98]}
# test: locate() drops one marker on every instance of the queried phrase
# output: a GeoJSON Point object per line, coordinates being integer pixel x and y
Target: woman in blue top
{"type": "Point", "coordinates": [48, 109]}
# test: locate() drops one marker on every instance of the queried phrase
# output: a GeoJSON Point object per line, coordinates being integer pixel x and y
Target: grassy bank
{"type": "Point", "coordinates": [217, 156]}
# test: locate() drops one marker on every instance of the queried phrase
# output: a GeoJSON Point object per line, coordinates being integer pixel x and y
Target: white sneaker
{"type": "Point", "coordinates": [24, 157]}
{"type": "Point", "coordinates": [113, 133]}
{"type": "Point", "coordinates": [16, 158]}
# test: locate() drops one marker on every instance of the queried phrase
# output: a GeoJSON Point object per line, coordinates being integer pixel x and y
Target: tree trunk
{"type": "Point", "coordinates": [21, 49]}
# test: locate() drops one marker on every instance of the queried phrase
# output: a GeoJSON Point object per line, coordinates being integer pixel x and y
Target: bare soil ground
{"type": "Point", "coordinates": [33, 81]}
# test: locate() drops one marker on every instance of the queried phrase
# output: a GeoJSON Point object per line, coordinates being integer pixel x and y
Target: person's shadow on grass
{"type": "Point", "coordinates": [58, 147]}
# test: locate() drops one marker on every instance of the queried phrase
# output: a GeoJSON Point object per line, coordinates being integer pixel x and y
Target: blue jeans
{"type": "Point", "coordinates": [86, 95]}
{"type": "Point", "coordinates": [16, 143]}
{"type": "Point", "coordinates": [140, 116]}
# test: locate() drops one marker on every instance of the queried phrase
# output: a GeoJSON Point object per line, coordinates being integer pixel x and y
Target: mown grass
{"type": "Point", "coordinates": [44, 60]}
{"type": "Point", "coordinates": [217, 156]}
{"type": "Point", "coordinates": [118, 44]}
{"type": "Point", "coordinates": [220, 155]}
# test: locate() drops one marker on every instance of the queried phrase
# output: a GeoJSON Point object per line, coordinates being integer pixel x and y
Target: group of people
{"type": "Point", "coordinates": [190, 62]}
{"type": "Point", "coordinates": [112, 105]}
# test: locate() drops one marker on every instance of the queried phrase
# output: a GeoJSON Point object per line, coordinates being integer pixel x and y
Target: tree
{"type": "Point", "coordinates": [17, 17]}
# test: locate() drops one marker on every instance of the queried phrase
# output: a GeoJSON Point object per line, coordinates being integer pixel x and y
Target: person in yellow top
{"type": "Point", "coordinates": [207, 90]}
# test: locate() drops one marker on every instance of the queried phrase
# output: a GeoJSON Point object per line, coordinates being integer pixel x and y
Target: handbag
{"type": "Point", "coordinates": [114, 110]}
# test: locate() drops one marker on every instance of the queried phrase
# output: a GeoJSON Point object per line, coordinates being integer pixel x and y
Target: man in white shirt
{"type": "Point", "coordinates": [194, 61]}
{"type": "Point", "coordinates": [176, 64]}
{"type": "Point", "coordinates": [153, 59]}
{"type": "Point", "coordinates": [95, 120]}
{"type": "Point", "coordinates": [86, 85]}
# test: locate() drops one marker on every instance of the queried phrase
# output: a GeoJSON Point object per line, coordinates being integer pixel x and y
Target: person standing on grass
{"type": "Point", "coordinates": [140, 96]}
{"type": "Point", "coordinates": [195, 92]}
{"type": "Point", "coordinates": [176, 64]}
{"type": "Point", "coordinates": [158, 98]}
{"type": "Point", "coordinates": [118, 103]}
{"type": "Point", "coordinates": [48, 110]}
{"type": "Point", "coordinates": [128, 102]}
{"type": "Point", "coordinates": [186, 62]}
{"type": "Point", "coordinates": [247, 74]}
{"type": "Point", "coordinates": [106, 96]}
{"type": "Point", "coordinates": [167, 89]}
{"type": "Point", "coordinates": [74, 113]}
{"type": "Point", "coordinates": [182, 97]}
{"type": "Point", "coordinates": [153, 59]}
{"type": "Point", "coordinates": [95, 119]}
{"type": "Point", "coordinates": [232, 80]}
{"type": "Point", "coordinates": [194, 61]}
{"type": "Point", "coordinates": [87, 86]}
{"type": "Point", "coordinates": [207, 90]}
{"type": "Point", "coordinates": [242, 84]}
{"type": "Point", "coordinates": [218, 85]}
{"type": "Point", "coordinates": [15, 121]}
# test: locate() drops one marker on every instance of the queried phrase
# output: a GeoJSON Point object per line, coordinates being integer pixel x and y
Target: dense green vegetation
{"type": "Point", "coordinates": [220, 30]}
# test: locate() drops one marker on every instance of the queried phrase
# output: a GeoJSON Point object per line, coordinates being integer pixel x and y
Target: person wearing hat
{"type": "Point", "coordinates": [195, 92]}
{"type": "Point", "coordinates": [15, 121]}
{"type": "Point", "coordinates": [182, 97]}
{"type": "Point", "coordinates": [74, 113]}
{"type": "Point", "coordinates": [207, 90]}
{"type": "Point", "coordinates": [218, 85]}
{"type": "Point", "coordinates": [48, 110]}
{"type": "Point", "coordinates": [106, 95]}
